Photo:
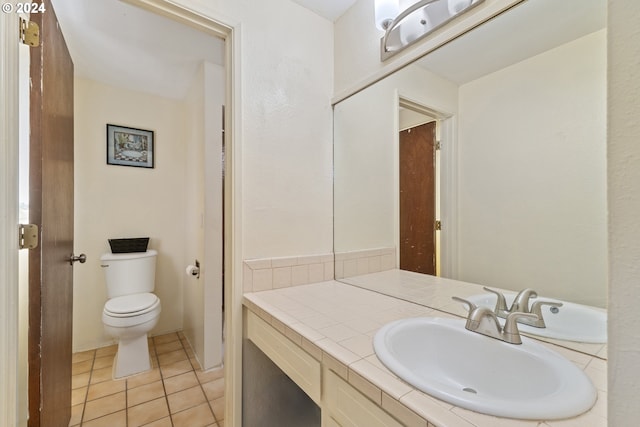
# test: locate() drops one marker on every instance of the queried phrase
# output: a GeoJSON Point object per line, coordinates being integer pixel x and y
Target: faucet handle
{"type": "Point", "coordinates": [501, 304]}
{"type": "Point", "coordinates": [510, 332]}
{"type": "Point", "coordinates": [521, 302]}
{"type": "Point", "coordinates": [536, 308]}
{"type": "Point", "coordinates": [468, 303]}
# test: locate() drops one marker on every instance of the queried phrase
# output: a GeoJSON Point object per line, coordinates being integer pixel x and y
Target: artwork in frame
{"type": "Point", "coordinates": [130, 147]}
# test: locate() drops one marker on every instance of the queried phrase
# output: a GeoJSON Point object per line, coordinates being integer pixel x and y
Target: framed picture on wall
{"type": "Point", "coordinates": [130, 147]}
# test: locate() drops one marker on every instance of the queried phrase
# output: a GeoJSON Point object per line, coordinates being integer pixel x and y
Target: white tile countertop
{"type": "Point", "coordinates": [336, 322]}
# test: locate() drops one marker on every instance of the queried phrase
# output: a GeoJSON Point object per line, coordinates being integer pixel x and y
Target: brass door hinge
{"type": "Point", "coordinates": [438, 225]}
{"type": "Point", "coordinates": [27, 236]}
{"type": "Point", "coordinates": [29, 33]}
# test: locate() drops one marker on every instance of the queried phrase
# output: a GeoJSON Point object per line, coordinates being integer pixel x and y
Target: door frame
{"type": "Point", "coordinates": [446, 180]}
{"type": "Point", "coordinates": [9, 218]}
{"type": "Point", "coordinates": [233, 226]}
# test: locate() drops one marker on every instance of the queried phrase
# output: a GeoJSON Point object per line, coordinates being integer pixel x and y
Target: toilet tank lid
{"type": "Point", "coordinates": [131, 255]}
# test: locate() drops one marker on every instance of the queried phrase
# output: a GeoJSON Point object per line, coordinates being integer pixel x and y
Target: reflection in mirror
{"type": "Point", "coordinates": [519, 110]}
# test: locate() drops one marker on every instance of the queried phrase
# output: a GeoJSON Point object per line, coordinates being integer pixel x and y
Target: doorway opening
{"type": "Point", "coordinates": [418, 178]}
{"type": "Point", "coordinates": [205, 183]}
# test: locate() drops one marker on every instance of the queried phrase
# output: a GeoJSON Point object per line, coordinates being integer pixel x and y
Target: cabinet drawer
{"type": "Point", "coordinates": [350, 408]}
{"type": "Point", "coordinates": [296, 363]}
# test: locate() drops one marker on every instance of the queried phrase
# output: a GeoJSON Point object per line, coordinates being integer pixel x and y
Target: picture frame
{"type": "Point", "coordinates": [128, 146]}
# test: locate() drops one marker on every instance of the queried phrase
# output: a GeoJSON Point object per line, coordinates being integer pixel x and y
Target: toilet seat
{"type": "Point", "coordinates": [131, 305]}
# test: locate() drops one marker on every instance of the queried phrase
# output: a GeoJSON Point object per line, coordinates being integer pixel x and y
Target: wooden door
{"type": "Point", "coordinates": [417, 199]}
{"type": "Point", "coordinates": [51, 208]}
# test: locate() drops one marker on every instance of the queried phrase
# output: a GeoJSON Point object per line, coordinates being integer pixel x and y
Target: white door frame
{"type": "Point", "coordinates": [9, 210]}
{"type": "Point", "coordinates": [9, 218]}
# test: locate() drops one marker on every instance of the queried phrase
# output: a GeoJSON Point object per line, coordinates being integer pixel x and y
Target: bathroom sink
{"type": "Point", "coordinates": [571, 322]}
{"type": "Point", "coordinates": [443, 359]}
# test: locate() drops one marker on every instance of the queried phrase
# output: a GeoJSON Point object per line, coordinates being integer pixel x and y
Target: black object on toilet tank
{"type": "Point", "coordinates": [123, 246]}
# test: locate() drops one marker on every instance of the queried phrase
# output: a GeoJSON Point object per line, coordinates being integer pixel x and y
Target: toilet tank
{"type": "Point", "coordinates": [129, 273]}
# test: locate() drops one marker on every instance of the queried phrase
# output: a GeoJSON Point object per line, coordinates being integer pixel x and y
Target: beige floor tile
{"type": "Point", "coordinates": [105, 388]}
{"type": "Point", "coordinates": [76, 414]}
{"type": "Point", "coordinates": [175, 369]}
{"type": "Point", "coordinates": [145, 393]}
{"type": "Point", "coordinates": [180, 382]}
{"type": "Point", "coordinates": [144, 378]}
{"type": "Point", "coordinates": [81, 367]}
{"type": "Point", "coordinates": [107, 351]}
{"type": "Point", "coordinates": [165, 422]}
{"type": "Point", "coordinates": [162, 339]}
{"type": "Point", "coordinates": [206, 376]}
{"type": "Point", "coordinates": [186, 399]}
{"type": "Point", "coordinates": [102, 374]}
{"type": "Point", "coordinates": [218, 408]}
{"type": "Point", "coordinates": [78, 395]}
{"type": "Point", "coordinates": [82, 356]}
{"type": "Point", "coordinates": [103, 362]}
{"type": "Point", "coordinates": [117, 419]}
{"type": "Point", "coordinates": [147, 412]}
{"type": "Point", "coordinates": [172, 357]}
{"type": "Point", "coordinates": [198, 416]}
{"type": "Point", "coordinates": [81, 380]}
{"type": "Point", "coordinates": [169, 346]}
{"type": "Point", "coordinates": [214, 389]}
{"type": "Point", "coordinates": [104, 406]}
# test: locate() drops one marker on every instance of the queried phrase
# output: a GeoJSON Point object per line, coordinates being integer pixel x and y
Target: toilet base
{"type": "Point", "coordinates": [132, 357]}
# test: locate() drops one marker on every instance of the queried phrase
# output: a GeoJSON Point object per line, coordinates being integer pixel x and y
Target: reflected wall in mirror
{"type": "Point", "coordinates": [521, 115]}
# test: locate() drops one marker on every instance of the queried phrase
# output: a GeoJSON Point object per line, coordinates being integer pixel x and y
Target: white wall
{"type": "Point", "coordinates": [117, 201]}
{"type": "Point", "coordinates": [623, 168]}
{"type": "Point", "coordinates": [202, 322]}
{"type": "Point", "coordinates": [366, 155]}
{"type": "Point", "coordinates": [193, 315]}
{"type": "Point", "coordinates": [532, 174]}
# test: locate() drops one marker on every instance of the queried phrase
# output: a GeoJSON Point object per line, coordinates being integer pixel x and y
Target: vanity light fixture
{"type": "Point", "coordinates": [402, 29]}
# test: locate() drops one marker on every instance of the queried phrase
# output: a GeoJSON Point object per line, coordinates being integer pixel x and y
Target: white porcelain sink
{"type": "Point", "coordinates": [526, 381]}
{"type": "Point", "coordinates": [571, 322]}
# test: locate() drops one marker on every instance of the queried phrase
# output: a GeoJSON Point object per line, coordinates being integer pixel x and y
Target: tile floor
{"type": "Point", "coordinates": [176, 392]}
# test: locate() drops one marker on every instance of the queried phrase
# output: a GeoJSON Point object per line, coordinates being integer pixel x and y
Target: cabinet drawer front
{"type": "Point", "coordinates": [351, 408]}
{"type": "Point", "coordinates": [303, 369]}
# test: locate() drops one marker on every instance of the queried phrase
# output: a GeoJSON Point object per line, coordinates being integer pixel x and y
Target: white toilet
{"type": "Point", "coordinates": [132, 309]}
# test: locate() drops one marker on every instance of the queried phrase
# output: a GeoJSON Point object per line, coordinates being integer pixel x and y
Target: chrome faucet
{"type": "Point", "coordinates": [521, 304]}
{"type": "Point", "coordinates": [484, 321]}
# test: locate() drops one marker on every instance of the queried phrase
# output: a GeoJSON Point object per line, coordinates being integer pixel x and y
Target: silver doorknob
{"type": "Point", "coordinates": [82, 258]}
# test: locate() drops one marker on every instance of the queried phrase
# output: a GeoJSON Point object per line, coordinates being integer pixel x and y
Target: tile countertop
{"type": "Point", "coordinates": [336, 323]}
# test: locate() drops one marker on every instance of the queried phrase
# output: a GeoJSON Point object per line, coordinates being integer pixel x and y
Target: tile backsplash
{"type": "Point", "coordinates": [274, 273]}
{"type": "Point", "coordinates": [357, 263]}
{"type": "Point", "coordinates": [283, 272]}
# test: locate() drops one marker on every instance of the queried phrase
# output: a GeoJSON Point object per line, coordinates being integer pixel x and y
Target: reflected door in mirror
{"type": "Point", "coordinates": [417, 199]}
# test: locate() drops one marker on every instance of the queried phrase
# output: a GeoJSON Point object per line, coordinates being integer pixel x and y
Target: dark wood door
{"type": "Point", "coordinates": [417, 199]}
{"type": "Point", "coordinates": [51, 208]}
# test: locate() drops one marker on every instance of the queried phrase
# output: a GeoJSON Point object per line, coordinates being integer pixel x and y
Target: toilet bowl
{"type": "Point", "coordinates": [132, 310]}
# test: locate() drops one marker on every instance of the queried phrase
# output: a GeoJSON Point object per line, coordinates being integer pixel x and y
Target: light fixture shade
{"type": "Point", "coordinates": [386, 11]}
{"type": "Point", "coordinates": [456, 6]}
{"type": "Point", "coordinates": [414, 25]}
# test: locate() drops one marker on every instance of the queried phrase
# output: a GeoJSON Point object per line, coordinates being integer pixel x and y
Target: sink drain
{"type": "Point", "coordinates": [470, 390]}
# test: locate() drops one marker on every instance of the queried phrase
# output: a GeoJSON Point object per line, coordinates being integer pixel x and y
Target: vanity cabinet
{"type": "Point", "coordinates": [341, 404]}
{"type": "Point", "coordinates": [347, 407]}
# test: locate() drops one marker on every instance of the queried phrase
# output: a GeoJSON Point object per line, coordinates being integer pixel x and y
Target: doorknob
{"type": "Point", "coordinates": [82, 258]}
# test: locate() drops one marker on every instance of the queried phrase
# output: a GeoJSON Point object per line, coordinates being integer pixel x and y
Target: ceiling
{"type": "Point", "coordinates": [329, 9]}
{"type": "Point", "coordinates": [528, 29]}
{"type": "Point", "coordinates": [124, 46]}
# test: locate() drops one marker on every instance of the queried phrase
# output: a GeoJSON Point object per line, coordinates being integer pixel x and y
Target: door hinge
{"type": "Point", "coordinates": [438, 225]}
{"type": "Point", "coordinates": [438, 146]}
{"type": "Point", "coordinates": [29, 33]}
{"type": "Point", "coordinates": [27, 236]}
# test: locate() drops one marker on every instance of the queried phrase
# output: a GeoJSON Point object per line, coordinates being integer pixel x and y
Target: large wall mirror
{"type": "Point", "coordinates": [506, 129]}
